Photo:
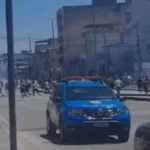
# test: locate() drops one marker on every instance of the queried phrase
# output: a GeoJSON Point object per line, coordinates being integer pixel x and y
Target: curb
{"type": "Point", "coordinates": [147, 99]}
{"type": "Point", "coordinates": [131, 95]}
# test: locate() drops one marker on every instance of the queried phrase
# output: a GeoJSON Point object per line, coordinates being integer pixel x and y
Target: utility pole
{"type": "Point", "coordinates": [11, 83]}
{"type": "Point", "coordinates": [94, 29]}
{"type": "Point", "coordinates": [30, 58]}
{"type": "Point", "coordinates": [138, 51]}
{"type": "Point", "coordinates": [54, 48]}
{"type": "Point", "coordinates": [106, 50]}
{"type": "Point", "coordinates": [94, 34]}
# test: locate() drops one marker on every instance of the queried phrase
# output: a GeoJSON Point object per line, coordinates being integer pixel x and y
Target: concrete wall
{"type": "Point", "coordinates": [140, 10]}
{"type": "Point", "coordinates": [145, 69]}
{"type": "Point", "coordinates": [121, 58]}
{"type": "Point", "coordinates": [75, 18]}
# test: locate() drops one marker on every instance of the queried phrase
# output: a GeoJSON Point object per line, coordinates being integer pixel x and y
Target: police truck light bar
{"type": "Point", "coordinates": [90, 78]}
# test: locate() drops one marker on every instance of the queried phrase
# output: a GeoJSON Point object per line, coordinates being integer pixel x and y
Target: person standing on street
{"type": "Point", "coordinates": [1, 89]}
{"type": "Point", "coordinates": [145, 85]}
{"type": "Point", "coordinates": [22, 89]}
{"type": "Point", "coordinates": [6, 87]}
{"type": "Point", "coordinates": [139, 84]}
{"type": "Point", "coordinates": [35, 88]}
{"type": "Point", "coordinates": [118, 85]}
{"type": "Point", "coordinates": [47, 87]}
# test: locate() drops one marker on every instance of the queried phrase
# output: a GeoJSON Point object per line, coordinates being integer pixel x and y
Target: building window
{"type": "Point", "coordinates": [129, 1]}
{"type": "Point", "coordinates": [128, 17]}
{"type": "Point", "coordinates": [148, 48]}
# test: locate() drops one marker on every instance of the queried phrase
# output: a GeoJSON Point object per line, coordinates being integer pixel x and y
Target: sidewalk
{"type": "Point", "coordinates": [4, 137]}
{"type": "Point", "coordinates": [137, 98]}
{"type": "Point", "coordinates": [22, 144]}
{"type": "Point", "coordinates": [132, 93]}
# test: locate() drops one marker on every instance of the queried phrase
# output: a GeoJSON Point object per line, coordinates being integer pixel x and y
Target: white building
{"type": "Point", "coordinates": [23, 62]}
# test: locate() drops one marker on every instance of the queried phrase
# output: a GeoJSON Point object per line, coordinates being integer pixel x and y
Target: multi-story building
{"type": "Point", "coordinates": [45, 59]}
{"type": "Point", "coordinates": [23, 64]}
{"type": "Point", "coordinates": [107, 2]}
{"type": "Point", "coordinates": [140, 11]}
{"type": "Point", "coordinates": [72, 21]}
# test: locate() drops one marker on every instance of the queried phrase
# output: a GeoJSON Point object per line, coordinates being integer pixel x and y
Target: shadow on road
{"type": "Point", "coordinates": [80, 140]}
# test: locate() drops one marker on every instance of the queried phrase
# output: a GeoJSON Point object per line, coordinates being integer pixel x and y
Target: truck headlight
{"type": "Point", "coordinates": [122, 111]}
{"type": "Point", "coordinates": [75, 112]}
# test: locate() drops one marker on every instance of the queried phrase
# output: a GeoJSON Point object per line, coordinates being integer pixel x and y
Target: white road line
{"type": "Point", "coordinates": [3, 119]}
{"type": "Point", "coordinates": [20, 147]}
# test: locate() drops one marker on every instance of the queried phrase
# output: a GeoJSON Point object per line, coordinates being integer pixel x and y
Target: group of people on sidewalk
{"type": "Point", "coordinates": [28, 88]}
{"type": "Point", "coordinates": [118, 84]}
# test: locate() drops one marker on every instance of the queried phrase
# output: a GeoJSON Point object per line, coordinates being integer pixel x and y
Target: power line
{"type": "Point", "coordinates": [23, 38]}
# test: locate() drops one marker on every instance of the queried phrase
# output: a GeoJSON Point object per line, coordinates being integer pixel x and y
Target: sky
{"type": "Point", "coordinates": [31, 18]}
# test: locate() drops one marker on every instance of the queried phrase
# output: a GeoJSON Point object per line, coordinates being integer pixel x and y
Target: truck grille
{"type": "Point", "coordinates": [101, 113]}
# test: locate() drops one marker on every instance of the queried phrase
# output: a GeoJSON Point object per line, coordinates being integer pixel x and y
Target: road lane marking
{"type": "Point", "coordinates": [37, 142]}
{"type": "Point", "coordinates": [3, 119]}
{"type": "Point", "coordinates": [8, 132]}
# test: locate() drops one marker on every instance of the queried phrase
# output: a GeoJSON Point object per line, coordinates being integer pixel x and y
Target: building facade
{"type": "Point", "coordinates": [23, 62]}
{"type": "Point", "coordinates": [23, 65]}
{"type": "Point", "coordinates": [45, 59]}
{"type": "Point", "coordinates": [71, 29]}
{"type": "Point", "coordinates": [140, 11]}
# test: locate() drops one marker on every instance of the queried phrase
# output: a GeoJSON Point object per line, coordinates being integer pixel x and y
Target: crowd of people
{"type": "Point", "coordinates": [28, 88]}
{"type": "Point", "coordinates": [120, 82]}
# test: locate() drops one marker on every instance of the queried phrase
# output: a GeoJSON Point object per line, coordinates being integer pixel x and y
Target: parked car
{"type": "Point", "coordinates": [142, 137]}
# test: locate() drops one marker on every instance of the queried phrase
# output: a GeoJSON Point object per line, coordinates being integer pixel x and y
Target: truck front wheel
{"type": "Point", "coordinates": [64, 133]}
{"type": "Point", "coordinates": [124, 136]}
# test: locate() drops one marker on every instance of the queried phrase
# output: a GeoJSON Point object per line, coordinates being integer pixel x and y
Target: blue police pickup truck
{"type": "Point", "coordinates": [86, 105]}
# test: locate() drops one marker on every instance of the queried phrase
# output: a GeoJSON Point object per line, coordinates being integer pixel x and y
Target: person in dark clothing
{"type": "Point", "coordinates": [22, 89]}
{"type": "Point", "coordinates": [145, 86]}
{"type": "Point", "coordinates": [139, 84]}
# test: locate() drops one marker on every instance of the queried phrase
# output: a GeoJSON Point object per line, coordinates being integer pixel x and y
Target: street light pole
{"type": "Point", "coordinates": [53, 38]}
{"type": "Point", "coordinates": [11, 83]}
{"type": "Point", "coordinates": [94, 29]}
{"type": "Point", "coordinates": [53, 32]}
{"type": "Point", "coordinates": [94, 34]}
{"type": "Point", "coordinates": [30, 58]}
{"type": "Point", "coordinates": [138, 51]}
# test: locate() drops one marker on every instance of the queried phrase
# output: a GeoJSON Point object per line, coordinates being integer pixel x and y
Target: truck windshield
{"type": "Point", "coordinates": [89, 93]}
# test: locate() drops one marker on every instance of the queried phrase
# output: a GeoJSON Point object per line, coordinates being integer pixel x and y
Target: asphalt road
{"type": "Point", "coordinates": [31, 126]}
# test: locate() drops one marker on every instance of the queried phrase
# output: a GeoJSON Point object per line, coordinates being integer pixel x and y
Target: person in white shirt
{"type": "Point", "coordinates": [118, 85]}
{"type": "Point", "coordinates": [35, 88]}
